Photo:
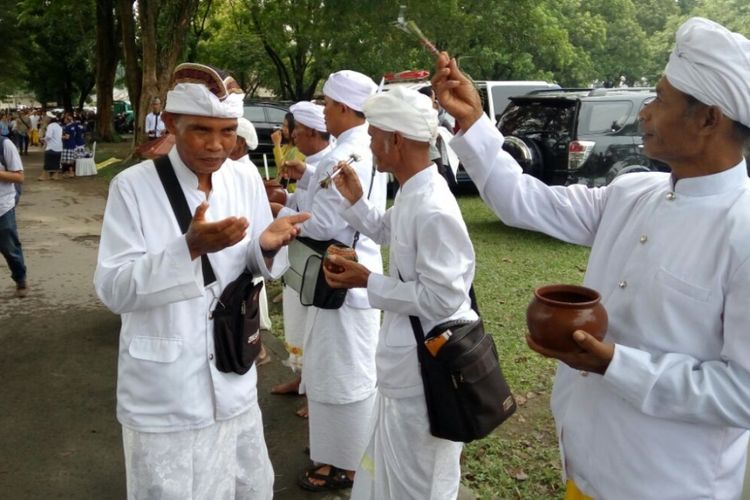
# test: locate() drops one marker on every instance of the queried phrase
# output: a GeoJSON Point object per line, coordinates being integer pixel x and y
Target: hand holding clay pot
{"type": "Point", "coordinates": [556, 311]}
{"type": "Point", "coordinates": [275, 192]}
{"type": "Point", "coordinates": [346, 252]}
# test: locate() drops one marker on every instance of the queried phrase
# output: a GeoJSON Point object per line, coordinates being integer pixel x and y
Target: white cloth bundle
{"type": "Point", "coordinates": [712, 64]}
{"type": "Point", "coordinates": [405, 111]}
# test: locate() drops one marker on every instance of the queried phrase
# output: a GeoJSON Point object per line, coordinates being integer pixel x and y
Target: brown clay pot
{"type": "Point", "coordinates": [341, 251]}
{"type": "Point", "coordinates": [275, 191]}
{"type": "Point", "coordinates": [556, 311]}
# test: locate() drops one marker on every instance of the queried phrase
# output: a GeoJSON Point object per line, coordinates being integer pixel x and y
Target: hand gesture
{"type": "Point", "coordinates": [347, 182]}
{"type": "Point", "coordinates": [456, 92]}
{"type": "Point", "coordinates": [354, 274]}
{"type": "Point", "coordinates": [280, 232]}
{"type": "Point", "coordinates": [276, 137]}
{"type": "Point", "coordinates": [206, 237]}
{"type": "Point", "coordinates": [292, 169]}
{"type": "Point", "coordinates": [594, 355]}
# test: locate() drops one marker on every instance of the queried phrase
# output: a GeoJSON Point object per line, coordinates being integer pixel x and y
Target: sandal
{"type": "Point", "coordinates": [336, 479]}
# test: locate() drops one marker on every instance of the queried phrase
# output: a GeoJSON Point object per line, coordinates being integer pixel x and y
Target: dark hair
{"type": "Point", "coordinates": [426, 91]}
{"type": "Point", "coordinates": [290, 123]}
{"type": "Point", "coordinates": [358, 114]}
{"type": "Point", "coordinates": [323, 135]}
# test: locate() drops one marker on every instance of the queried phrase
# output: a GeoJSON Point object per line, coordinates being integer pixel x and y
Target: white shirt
{"type": "Point", "coordinates": [167, 377]}
{"type": "Point", "coordinates": [668, 420]}
{"type": "Point", "coordinates": [431, 249]}
{"type": "Point", "coordinates": [154, 125]}
{"type": "Point", "coordinates": [298, 200]}
{"type": "Point", "coordinates": [13, 163]}
{"type": "Point", "coordinates": [326, 222]}
{"type": "Point", "coordinates": [53, 138]}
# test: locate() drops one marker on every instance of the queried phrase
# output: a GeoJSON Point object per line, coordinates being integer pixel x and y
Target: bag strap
{"type": "Point", "coordinates": [369, 192]}
{"type": "Point", "coordinates": [416, 325]}
{"type": "Point", "coordinates": [180, 207]}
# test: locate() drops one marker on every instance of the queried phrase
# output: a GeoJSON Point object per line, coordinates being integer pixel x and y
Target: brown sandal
{"type": "Point", "coordinates": [336, 479]}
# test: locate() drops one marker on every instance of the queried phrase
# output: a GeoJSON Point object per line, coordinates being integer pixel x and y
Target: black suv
{"type": "Point", "coordinates": [570, 136]}
{"type": "Point", "coordinates": [266, 116]}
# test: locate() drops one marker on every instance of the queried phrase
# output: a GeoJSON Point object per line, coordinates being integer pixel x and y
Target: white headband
{"type": "Point", "coordinates": [196, 99]}
{"type": "Point", "coordinates": [309, 114]}
{"type": "Point", "coordinates": [350, 88]}
{"type": "Point", "coordinates": [246, 130]}
{"type": "Point", "coordinates": [405, 111]}
{"type": "Point", "coordinates": [712, 64]}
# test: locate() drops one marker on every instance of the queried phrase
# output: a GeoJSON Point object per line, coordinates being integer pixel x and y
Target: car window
{"type": "Point", "coordinates": [600, 117]}
{"type": "Point", "coordinates": [275, 115]}
{"type": "Point", "coordinates": [549, 119]}
{"type": "Point", "coordinates": [501, 95]}
{"type": "Point", "coordinates": [255, 114]}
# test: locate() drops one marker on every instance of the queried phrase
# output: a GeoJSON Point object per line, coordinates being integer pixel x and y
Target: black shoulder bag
{"type": "Point", "coordinates": [305, 274]}
{"type": "Point", "coordinates": [466, 393]}
{"type": "Point", "coordinates": [237, 313]}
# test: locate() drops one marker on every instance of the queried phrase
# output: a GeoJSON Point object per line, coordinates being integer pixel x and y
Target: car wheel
{"type": "Point", "coordinates": [527, 153]}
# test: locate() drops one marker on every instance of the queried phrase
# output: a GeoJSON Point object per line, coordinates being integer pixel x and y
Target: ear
{"type": "Point", "coordinates": [169, 121]}
{"type": "Point", "coordinates": [711, 118]}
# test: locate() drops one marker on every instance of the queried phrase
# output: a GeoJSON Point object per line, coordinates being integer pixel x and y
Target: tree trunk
{"type": "Point", "coordinates": [107, 36]}
{"type": "Point", "coordinates": [131, 54]}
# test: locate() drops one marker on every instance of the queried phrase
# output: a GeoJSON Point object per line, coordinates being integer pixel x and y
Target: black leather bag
{"type": "Point", "coordinates": [237, 313]}
{"type": "Point", "coordinates": [237, 325]}
{"type": "Point", "coordinates": [466, 393]}
{"type": "Point", "coordinates": [305, 274]}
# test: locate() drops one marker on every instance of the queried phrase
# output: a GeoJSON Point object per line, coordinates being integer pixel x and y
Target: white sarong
{"type": "Point", "coordinates": [339, 432]}
{"type": "Point", "coordinates": [295, 318]}
{"type": "Point", "coordinates": [225, 461]}
{"type": "Point", "coordinates": [403, 460]}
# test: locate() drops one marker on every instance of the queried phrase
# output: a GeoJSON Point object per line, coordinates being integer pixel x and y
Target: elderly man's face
{"type": "Point", "coordinates": [669, 131]}
{"type": "Point", "coordinates": [383, 149]}
{"type": "Point", "coordinates": [203, 142]}
{"type": "Point", "coordinates": [303, 138]}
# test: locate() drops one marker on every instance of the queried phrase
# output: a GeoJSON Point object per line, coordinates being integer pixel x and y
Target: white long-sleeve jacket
{"type": "Point", "coordinates": [669, 418]}
{"type": "Point", "coordinates": [167, 377]}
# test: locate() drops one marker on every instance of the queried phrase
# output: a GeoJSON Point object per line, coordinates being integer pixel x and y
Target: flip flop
{"type": "Point", "coordinates": [336, 479]}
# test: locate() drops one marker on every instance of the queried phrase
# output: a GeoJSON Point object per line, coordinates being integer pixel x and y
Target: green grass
{"type": "Point", "coordinates": [521, 459]}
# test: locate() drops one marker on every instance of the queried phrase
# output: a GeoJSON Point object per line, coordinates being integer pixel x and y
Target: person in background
{"type": "Point", "coordinates": [189, 430]}
{"type": "Point", "coordinates": [79, 137]}
{"type": "Point", "coordinates": [313, 140]}
{"type": "Point", "coordinates": [154, 122]}
{"type": "Point", "coordinates": [68, 158]}
{"type": "Point", "coordinates": [283, 142]}
{"type": "Point", "coordinates": [247, 140]}
{"type": "Point", "coordinates": [339, 374]}
{"type": "Point", "coordinates": [660, 408]}
{"type": "Point", "coordinates": [11, 175]}
{"type": "Point", "coordinates": [53, 147]}
{"type": "Point", "coordinates": [431, 270]}
{"type": "Point", "coordinates": [21, 129]}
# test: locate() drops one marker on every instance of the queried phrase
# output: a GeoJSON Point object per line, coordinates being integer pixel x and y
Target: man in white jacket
{"type": "Point", "coordinates": [431, 271]}
{"type": "Point", "coordinates": [189, 430]}
{"type": "Point", "coordinates": [660, 408]}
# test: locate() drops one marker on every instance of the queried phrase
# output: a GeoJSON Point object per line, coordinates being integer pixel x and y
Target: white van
{"type": "Point", "coordinates": [496, 94]}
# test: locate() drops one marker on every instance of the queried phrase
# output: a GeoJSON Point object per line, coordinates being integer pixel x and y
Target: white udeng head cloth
{"type": "Point", "coordinates": [350, 88]}
{"type": "Point", "coordinates": [200, 90]}
{"type": "Point", "coordinates": [712, 64]}
{"type": "Point", "coordinates": [246, 130]}
{"type": "Point", "coordinates": [405, 111]}
{"type": "Point", "coordinates": [309, 114]}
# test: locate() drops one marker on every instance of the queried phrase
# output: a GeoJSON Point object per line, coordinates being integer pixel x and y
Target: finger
{"type": "Point", "coordinates": [537, 348]}
{"type": "Point", "coordinates": [590, 344]}
{"type": "Point", "coordinates": [200, 212]}
{"type": "Point", "coordinates": [297, 218]}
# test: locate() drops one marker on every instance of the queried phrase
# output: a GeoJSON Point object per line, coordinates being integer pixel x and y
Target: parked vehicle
{"type": "Point", "coordinates": [496, 94]}
{"type": "Point", "coordinates": [266, 116]}
{"type": "Point", "coordinates": [570, 136]}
